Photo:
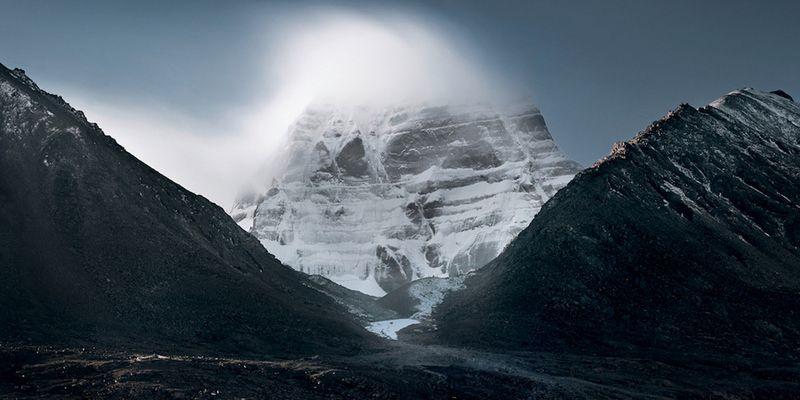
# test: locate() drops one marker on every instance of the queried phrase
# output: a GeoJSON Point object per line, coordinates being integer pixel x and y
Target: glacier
{"type": "Point", "coordinates": [376, 197]}
{"type": "Point", "coordinates": [389, 328]}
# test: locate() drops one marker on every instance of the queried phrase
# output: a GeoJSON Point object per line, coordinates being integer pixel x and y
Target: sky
{"type": "Point", "coordinates": [204, 91]}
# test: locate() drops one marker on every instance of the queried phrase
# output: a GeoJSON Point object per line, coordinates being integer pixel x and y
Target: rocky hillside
{"type": "Point", "coordinates": [98, 249]}
{"type": "Point", "coordinates": [686, 238]}
{"type": "Point", "coordinates": [376, 198]}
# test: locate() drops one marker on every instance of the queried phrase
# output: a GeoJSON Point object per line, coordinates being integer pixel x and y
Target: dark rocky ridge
{"type": "Point", "coordinates": [97, 248]}
{"type": "Point", "coordinates": [104, 261]}
{"type": "Point", "coordinates": [685, 239]}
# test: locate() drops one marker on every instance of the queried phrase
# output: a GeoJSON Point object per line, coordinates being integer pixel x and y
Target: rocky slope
{"type": "Point", "coordinates": [375, 198]}
{"type": "Point", "coordinates": [98, 249]}
{"type": "Point", "coordinates": [363, 307]}
{"type": "Point", "coordinates": [117, 283]}
{"type": "Point", "coordinates": [684, 239]}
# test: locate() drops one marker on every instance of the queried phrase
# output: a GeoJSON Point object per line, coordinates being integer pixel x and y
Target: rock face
{"type": "Point", "coordinates": [686, 238]}
{"type": "Point", "coordinates": [373, 199]}
{"type": "Point", "coordinates": [98, 249]}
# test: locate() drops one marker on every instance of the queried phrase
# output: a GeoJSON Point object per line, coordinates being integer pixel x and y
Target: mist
{"type": "Point", "coordinates": [318, 55]}
{"type": "Point", "coordinates": [354, 58]}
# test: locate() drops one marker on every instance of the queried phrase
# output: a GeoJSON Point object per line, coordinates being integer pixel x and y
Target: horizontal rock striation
{"type": "Point", "coordinates": [373, 199]}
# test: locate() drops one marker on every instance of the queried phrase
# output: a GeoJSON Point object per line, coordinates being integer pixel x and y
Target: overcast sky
{"type": "Point", "coordinates": [203, 90]}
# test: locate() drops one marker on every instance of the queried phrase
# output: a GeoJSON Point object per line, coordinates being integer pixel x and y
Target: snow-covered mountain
{"type": "Point", "coordinates": [374, 198]}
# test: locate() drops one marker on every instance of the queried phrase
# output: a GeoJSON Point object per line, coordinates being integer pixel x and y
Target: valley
{"type": "Point", "coordinates": [668, 269]}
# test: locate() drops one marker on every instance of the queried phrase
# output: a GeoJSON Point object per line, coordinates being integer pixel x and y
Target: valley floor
{"type": "Point", "coordinates": [401, 371]}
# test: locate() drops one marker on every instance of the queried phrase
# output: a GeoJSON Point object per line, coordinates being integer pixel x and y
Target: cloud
{"type": "Point", "coordinates": [215, 160]}
{"type": "Point", "coordinates": [324, 54]}
{"type": "Point", "coordinates": [382, 58]}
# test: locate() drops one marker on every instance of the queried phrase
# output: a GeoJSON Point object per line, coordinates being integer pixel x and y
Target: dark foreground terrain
{"type": "Point", "coordinates": [400, 372]}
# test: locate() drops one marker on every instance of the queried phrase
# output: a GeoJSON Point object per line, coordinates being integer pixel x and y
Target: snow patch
{"type": "Point", "coordinates": [431, 292]}
{"type": "Point", "coordinates": [389, 327]}
{"type": "Point", "coordinates": [353, 282]}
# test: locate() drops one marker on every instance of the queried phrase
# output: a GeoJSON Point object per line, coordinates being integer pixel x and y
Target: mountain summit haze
{"type": "Point", "coordinates": [355, 200]}
{"type": "Point", "coordinates": [374, 198]}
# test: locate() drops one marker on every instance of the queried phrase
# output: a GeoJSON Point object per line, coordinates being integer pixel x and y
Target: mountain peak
{"type": "Point", "coordinates": [783, 94]}
{"type": "Point", "coordinates": [732, 103]}
{"type": "Point", "coordinates": [373, 198]}
{"type": "Point", "coordinates": [27, 87]}
{"type": "Point", "coordinates": [20, 74]}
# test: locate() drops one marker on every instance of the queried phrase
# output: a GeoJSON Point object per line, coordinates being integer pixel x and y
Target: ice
{"type": "Point", "coordinates": [430, 292]}
{"type": "Point", "coordinates": [388, 196]}
{"type": "Point", "coordinates": [367, 286]}
{"type": "Point", "coordinates": [389, 328]}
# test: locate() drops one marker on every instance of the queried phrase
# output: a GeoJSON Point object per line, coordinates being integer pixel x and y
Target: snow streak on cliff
{"type": "Point", "coordinates": [374, 198]}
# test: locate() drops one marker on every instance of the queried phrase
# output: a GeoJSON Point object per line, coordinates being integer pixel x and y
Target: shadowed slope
{"type": "Point", "coordinates": [684, 238]}
{"type": "Point", "coordinates": [98, 248]}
